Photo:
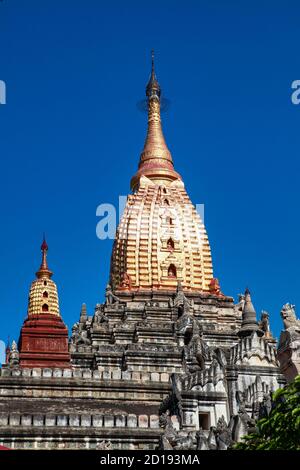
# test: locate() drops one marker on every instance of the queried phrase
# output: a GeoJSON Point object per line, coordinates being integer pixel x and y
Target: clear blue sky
{"type": "Point", "coordinates": [71, 135]}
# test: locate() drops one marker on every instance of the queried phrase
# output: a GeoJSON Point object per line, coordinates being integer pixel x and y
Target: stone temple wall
{"type": "Point", "coordinates": [147, 372]}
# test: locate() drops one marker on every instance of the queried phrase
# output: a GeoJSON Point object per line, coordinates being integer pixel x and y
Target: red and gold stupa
{"type": "Point", "coordinates": [44, 336]}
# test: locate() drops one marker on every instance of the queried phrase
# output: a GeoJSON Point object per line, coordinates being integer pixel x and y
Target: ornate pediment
{"type": "Point", "coordinates": [253, 350]}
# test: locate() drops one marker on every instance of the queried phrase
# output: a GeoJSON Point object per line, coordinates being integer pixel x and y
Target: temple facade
{"type": "Point", "coordinates": [168, 361]}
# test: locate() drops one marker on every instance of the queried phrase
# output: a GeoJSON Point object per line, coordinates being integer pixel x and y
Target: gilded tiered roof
{"type": "Point", "coordinates": [43, 297]}
{"type": "Point", "coordinates": [161, 238]}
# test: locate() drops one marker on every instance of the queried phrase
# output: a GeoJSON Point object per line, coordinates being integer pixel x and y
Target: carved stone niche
{"type": "Point", "coordinates": [169, 243]}
{"type": "Point", "coordinates": [168, 217]}
{"type": "Point", "coordinates": [171, 269]}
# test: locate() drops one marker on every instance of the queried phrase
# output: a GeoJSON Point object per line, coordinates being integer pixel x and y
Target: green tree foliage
{"type": "Point", "coordinates": [281, 429]}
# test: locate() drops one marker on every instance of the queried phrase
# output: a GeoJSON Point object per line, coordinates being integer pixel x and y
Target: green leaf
{"type": "Point", "coordinates": [281, 429]}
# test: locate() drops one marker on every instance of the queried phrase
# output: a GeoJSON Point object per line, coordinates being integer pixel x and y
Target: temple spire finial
{"type": "Point", "coordinates": [152, 61]}
{"type": "Point", "coordinates": [249, 320]}
{"type": "Point", "coordinates": [155, 161]}
{"type": "Point", "coordinates": [44, 271]}
{"type": "Point", "coordinates": [83, 313]}
{"type": "Point", "coordinates": [44, 248]}
{"type": "Point", "coordinates": [153, 76]}
{"type": "Point", "coordinates": [153, 90]}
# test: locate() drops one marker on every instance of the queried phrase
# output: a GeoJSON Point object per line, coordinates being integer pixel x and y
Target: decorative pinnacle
{"type": "Point", "coordinates": [83, 313]}
{"type": "Point", "coordinates": [7, 351]}
{"type": "Point", "coordinates": [249, 321]}
{"type": "Point", "coordinates": [153, 89]}
{"type": "Point", "coordinates": [44, 248]}
{"type": "Point", "coordinates": [155, 161]}
{"type": "Point", "coordinates": [152, 65]}
{"type": "Point", "coordinates": [44, 270]}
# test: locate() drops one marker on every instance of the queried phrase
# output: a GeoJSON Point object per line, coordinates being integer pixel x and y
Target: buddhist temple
{"type": "Point", "coordinates": [167, 361]}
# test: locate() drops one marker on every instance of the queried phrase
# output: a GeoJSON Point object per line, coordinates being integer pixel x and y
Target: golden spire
{"type": "Point", "coordinates": [44, 271]}
{"type": "Point", "coordinates": [161, 238]}
{"type": "Point", "coordinates": [155, 161]}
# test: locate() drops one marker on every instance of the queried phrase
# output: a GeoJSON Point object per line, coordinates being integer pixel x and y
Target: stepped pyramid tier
{"type": "Point", "coordinates": [44, 337]}
{"type": "Point", "coordinates": [161, 238]}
